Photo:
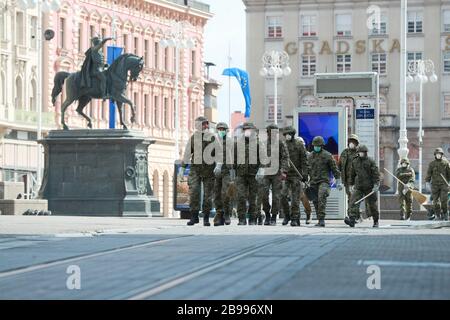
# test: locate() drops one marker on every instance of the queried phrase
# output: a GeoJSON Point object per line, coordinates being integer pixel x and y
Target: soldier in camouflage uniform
{"type": "Point", "coordinates": [293, 184]}
{"type": "Point", "coordinates": [321, 162]}
{"type": "Point", "coordinates": [273, 177]}
{"type": "Point", "coordinates": [303, 198]}
{"type": "Point", "coordinates": [407, 175]}
{"type": "Point", "coordinates": [345, 161]}
{"type": "Point", "coordinates": [200, 171]}
{"type": "Point", "coordinates": [439, 169]}
{"type": "Point", "coordinates": [224, 173]}
{"type": "Point", "coordinates": [247, 163]}
{"type": "Point", "coordinates": [364, 178]}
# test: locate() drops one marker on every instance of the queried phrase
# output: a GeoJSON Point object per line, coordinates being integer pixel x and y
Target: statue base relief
{"type": "Point", "coordinates": [98, 173]}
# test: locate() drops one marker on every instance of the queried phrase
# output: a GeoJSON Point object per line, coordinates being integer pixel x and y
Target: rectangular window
{"type": "Point", "coordinates": [446, 21]}
{"type": "Point", "coordinates": [379, 28]}
{"type": "Point", "coordinates": [166, 112]}
{"type": "Point", "coordinates": [308, 65]}
{"type": "Point", "coordinates": [62, 32]}
{"type": "Point", "coordinates": [156, 54]}
{"type": "Point", "coordinates": [193, 63]}
{"type": "Point", "coordinates": [414, 56]}
{"type": "Point", "coordinates": [344, 24]}
{"type": "Point", "coordinates": [274, 27]}
{"type": "Point", "coordinates": [92, 31]}
{"type": "Point", "coordinates": [413, 105]}
{"type": "Point", "coordinates": [174, 113]}
{"type": "Point", "coordinates": [105, 48]}
{"type": "Point", "coordinates": [415, 22]}
{"type": "Point", "coordinates": [125, 43]}
{"type": "Point", "coordinates": [343, 63]}
{"type": "Point", "coordinates": [446, 111]}
{"type": "Point", "coordinates": [174, 53]}
{"type": "Point", "coordinates": [270, 102]}
{"type": "Point", "coordinates": [146, 53]}
{"type": "Point", "coordinates": [166, 59]}
{"type": "Point", "coordinates": [146, 115]}
{"type": "Point", "coordinates": [33, 29]}
{"type": "Point", "coordinates": [80, 37]}
{"type": "Point", "coordinates": [309, 25]}
{"type": "Point", "coordinates": [446, 62]}
{"type": "Point", "coordinates": [155, 112]}
{"type": "Point", "coordinates": [20, 28]}
{"type": "Point", "coordinates": [379, 63]}
{"type": "Point", "coordinates": [136, 45]}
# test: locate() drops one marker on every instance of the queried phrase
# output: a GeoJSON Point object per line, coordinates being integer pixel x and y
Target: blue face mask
{"type": "Point", "coordinates": [317, 149]}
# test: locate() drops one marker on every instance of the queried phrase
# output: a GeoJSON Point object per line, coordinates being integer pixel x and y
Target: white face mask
{"type": "Point", "coordinates": [351, 145]}
{"type": "Point", "coordinates": [288, 137]}
{"type": "Point", "coordinates": [247, 133]}
{"type": "Point", "coordinates": [362, 155]}
{"type": "Point", "coordinates": [405, 165]}
{"type": "Point", "coordinates": [439, 156]}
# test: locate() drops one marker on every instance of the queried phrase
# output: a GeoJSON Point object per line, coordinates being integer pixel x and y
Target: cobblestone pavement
{"type": "Point", "coordinates": [164, 259]}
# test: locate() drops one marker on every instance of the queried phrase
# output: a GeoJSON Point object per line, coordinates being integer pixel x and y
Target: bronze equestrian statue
{"type": "Point", "coordinates": [111, 83]}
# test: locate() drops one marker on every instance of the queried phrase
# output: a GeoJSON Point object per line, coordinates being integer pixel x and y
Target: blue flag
{"type": "Point", "coordinates": [242, 77]}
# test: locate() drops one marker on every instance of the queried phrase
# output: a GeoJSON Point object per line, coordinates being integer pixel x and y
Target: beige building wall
{"type": "Point", "coordinates": [297, 90]}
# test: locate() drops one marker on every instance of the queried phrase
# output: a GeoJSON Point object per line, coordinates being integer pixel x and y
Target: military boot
{"type": "Point", "coordinates": [227, 219]}
{"type": "Point", "coordinates": [408, 216]}
{"type": "Point", "coordinates": [308, 218]}
{"type": "Point", "coordinates": [375, 224]}
{"type": "Point", "coordinates": [320, 223]}
{"type": "Point", "coordinates": [402, 216]}
{"type": "Point", "coordinates": [295, 223]}
{"type": "Point", "coordinates": [286, 219]}
{"type": "Point", "coordinates": [267, 221]}
{"type": "Point", "coordinates": [446, 216]}
{"type": "Point", "coordinates": [206, 220]}
{"type": "Point", "coordinates": [273, 220]}
{"type": "Point", "coordinates": [242, 222]}
{"type": "Point", "coordinates": [218, 219]}
{"type": "Point", "coordinates": [350, 222]}
{"type": "Point", "coordinates": [252, 221]}
{"type": "Point", "coordinates": [194, 219]}
{"type": "Point", "coordinates": [260, 220]}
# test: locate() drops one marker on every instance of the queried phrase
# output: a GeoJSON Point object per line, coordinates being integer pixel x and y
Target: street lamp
{"type": "Point", "coordinates": [175, 38]}
{"type": "Point", "coordinates": [403, 136]}
{"type": "Point", "coordinates": [43, 6]}
{"type": "Point", "coordinates": [422, 70]}
{"type": "Point", "coordinates": [276, 64]}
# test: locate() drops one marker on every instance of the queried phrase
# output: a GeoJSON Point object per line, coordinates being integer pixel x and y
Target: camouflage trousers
{"type": "Point", "coordinates": [222, 201]}
{"type": "Point", "coordinates": [292, 189]}
{"type": "Point", "coordinates": [371, 204]}
{"type": "Point", "coordinates": [440, 199]}
{"type": "Point", "coordinates": [246, 191]}
{"type": "Point", "coordinates": [276, 184]}
{"type": "Point", "coordinates": [405, 202]}
{"type": "Point", "coordinates": [195, 182]}
{"type": "Point", "coordinates": [349, 198]}
{"type": "Point", "coordinates": [321, 204]}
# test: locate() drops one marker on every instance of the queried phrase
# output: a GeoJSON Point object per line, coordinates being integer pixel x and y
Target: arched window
{"type": "Point", "coordinates": [33, 106]}
{"type": "Point", "coordinates": [18, 99]}
{"type": "Point", "coordinates": [156, 183]}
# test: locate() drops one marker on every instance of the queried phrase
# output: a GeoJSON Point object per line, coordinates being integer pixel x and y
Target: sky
{"type": "Point", "coordinates": [226, 29]}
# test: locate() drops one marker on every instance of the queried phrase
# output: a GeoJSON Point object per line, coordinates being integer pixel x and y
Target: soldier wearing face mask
{"type": "Point", "coordinates": [438, 175]}
{"type": "Point", "coordinates": [364, 179]}
{"type": "Point", "coordinates": [345, 161]}
{"type": "Point", "coordinates": [407, 175]}
{"type": "Point", "coordinates": [303, 198]}
{"type": "Point", "coordinates": [293, 186]}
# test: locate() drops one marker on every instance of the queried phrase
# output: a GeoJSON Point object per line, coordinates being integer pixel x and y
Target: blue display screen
{"type": "Point", "coordinates": [324, 124]}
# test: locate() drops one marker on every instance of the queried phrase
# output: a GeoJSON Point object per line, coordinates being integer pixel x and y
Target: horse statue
{"type": "Point", "coordinates": [125, 68]}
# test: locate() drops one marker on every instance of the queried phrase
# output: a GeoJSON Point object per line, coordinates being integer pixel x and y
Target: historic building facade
{"type": "Point", "coordinates": [139, 26]}
{"type": "Point", "coordinates": [334, 36]}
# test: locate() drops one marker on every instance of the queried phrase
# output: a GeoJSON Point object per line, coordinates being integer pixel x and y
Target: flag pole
{"type": "Point", "coordinates": [229, 84]}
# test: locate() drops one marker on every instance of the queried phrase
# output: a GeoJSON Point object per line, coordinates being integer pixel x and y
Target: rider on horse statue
{"type": "Point", "coordinates": [93, 66]}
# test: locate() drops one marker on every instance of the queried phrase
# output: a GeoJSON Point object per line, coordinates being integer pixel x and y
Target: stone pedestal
{"type": "Point", "coordinates": [10, 190]}
{"type": "Point", "coordinates": [98, 173]}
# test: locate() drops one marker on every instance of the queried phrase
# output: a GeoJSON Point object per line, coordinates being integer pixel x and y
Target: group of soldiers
{"type": "Point", "coordinates": [242, 176]}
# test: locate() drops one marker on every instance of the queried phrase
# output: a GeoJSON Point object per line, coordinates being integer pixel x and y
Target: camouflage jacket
{"type": "Point", "coordinates": [345, 162]}
{"type": "Point", "coordinates": [320, 165]}
{"type": "Point", "coordinates": [435, 169]}
{"type": "Point", "coordinates": [283, 157]}
{"type": "Point", "coordinates": [364, 173]}
{"type": "Point", "coordinates": [225, 149]}
{"type": "Point", "coordinates": [297, 154]}
{"type": "Point", "coordinates": [246, 156]}
{"type": "Point", "coordinates": [406, 175]}
{"type": "Point", "coordinates": [201, 162]}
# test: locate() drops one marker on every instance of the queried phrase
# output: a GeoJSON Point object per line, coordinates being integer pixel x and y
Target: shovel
{"type": "Point", "coordinates": [419, 197]}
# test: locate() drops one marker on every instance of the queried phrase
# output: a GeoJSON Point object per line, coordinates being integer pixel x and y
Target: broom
{"type": "Point", "coordinates": [419, 197]}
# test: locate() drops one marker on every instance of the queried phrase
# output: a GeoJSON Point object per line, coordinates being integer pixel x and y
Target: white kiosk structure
{"type": "Point", "coordinates": [333, 122]}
